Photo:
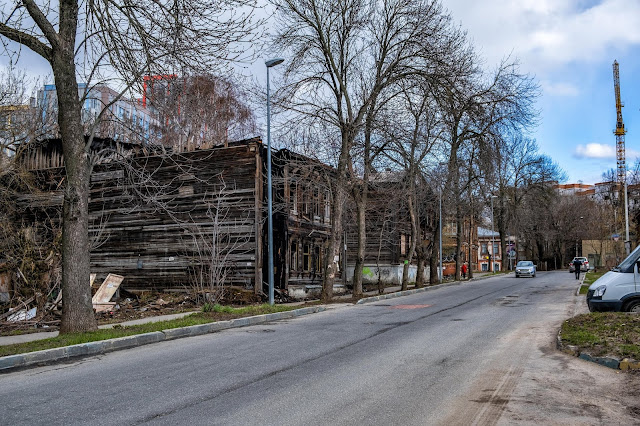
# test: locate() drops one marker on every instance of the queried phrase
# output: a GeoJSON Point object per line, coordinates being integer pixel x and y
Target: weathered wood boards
{"type": "Point", "coordinates": [101, 300]}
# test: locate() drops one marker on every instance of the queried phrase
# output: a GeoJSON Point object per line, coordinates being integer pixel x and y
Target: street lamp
{"type": "Point", "coordinates": [493, 244]}
{"type": "Point", "coordinates": [440, 235]}
{"type": "Point", "coordinates": [270, 63]}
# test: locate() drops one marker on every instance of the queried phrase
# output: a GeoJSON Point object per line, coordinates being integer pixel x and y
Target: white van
{"type": "Point", "coordinates": [618, 289]}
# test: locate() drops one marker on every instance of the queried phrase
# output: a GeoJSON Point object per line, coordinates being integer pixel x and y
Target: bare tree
{"type": "Point", "coordinates": [476, 109]}
{"type": "Point", "coordinates": [415, 133]}
{"type": "Point", "coordinates": [520, 171]}
{"type": "Point", "coordinates": [345, 54]}
{"type": "Point", "coordinates": [214, 243]}
{"type": "Point", "coordinates": [199, 111]}
{"type": "Point", "coordinates": [111, 37]}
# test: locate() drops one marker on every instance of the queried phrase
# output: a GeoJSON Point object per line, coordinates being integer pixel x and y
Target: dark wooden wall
{"type": "Point", "coordinates": [156, 228]}
{"type": "Point", "coordinates": [150, 217]}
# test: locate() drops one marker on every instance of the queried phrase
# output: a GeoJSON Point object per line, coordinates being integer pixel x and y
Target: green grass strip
{"type": "Point", "coordinates": [122, 331]}
{"type": "Point", "coordinates": [614, 334]}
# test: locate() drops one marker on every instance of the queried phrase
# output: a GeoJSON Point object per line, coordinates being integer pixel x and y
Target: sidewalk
{"type": "Point", "coordinates": [31, 337]}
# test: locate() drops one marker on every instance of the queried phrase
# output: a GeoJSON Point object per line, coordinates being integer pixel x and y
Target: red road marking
{"type": "Point", "coordinates": [409, 306]}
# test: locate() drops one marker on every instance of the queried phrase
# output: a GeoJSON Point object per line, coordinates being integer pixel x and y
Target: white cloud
{"type": "Point", "coordinates": [595, 150]}
{"type": "Point", "coordinates": [549, 33]}
{"type": "Point", "coordinates": [602, 151]}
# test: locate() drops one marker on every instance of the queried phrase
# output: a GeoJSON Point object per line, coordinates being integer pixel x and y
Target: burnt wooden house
{"type": "Point", "coordinates": [196, 219]}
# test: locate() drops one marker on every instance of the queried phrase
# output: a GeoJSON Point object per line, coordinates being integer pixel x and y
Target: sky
{"type": "Point", "coordinates": [569, 47]}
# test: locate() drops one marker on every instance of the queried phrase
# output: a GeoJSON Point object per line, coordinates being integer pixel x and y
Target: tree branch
{"type": "Point", "coordinates": [26, 40]}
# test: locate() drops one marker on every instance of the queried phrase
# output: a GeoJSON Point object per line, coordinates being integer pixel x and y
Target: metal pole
{"type": "Point", "coordinates": [344, 260]}
{"type": "Point", "coordinates": [269, 196]}
{"type": "Point", "coordinates": [270, 63]}
{"type": "Point", "coordinates": [440, 234]}
{"type": "Point", "coordinates": [491, 255]}
{"type": "Point", "coordinates": [627, 243]}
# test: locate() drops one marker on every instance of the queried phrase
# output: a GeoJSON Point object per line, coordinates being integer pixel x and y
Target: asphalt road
{"type": "Point", "coordinates": [477, 353]}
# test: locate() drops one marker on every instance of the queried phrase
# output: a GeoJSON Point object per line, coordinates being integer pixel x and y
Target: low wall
{"type": "Point", "coordinates": [312, 291]}
{"type": "Point", "coordinates": [388, 274]}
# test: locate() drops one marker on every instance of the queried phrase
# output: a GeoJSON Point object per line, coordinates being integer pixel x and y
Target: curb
{"type": "Point", "coordinates": [66, 353]}
{"type": "Point", "coordinates": [610, 362]}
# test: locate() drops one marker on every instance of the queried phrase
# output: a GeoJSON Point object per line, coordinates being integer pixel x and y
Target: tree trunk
{"type": "Point", "coordinates": [361, 206]}
{"type": "Point", "coordinates": [420, 256]}
{"type": "Point", "coordinates": [77, 311]}
{"type": "Point", "coordinates": [458, 238]}
{"type": "Point", "coordinates": [414, 238]}
{"type": "Point", "coordinates": [333, 250]}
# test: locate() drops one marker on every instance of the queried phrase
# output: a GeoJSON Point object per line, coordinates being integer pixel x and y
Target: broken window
{"type": "Point", "coordinates": [316, 202]}
{"type": "Point", "coordinates": [293, 195]}
{"type": "Point", "coordinates": [306, 208]}
{"type": "Point", "coordinates": [306, 258]}
{"type": "Point", "coordinates": [294, 256]}
{"type": "Point", "coordinates": [327, 207]}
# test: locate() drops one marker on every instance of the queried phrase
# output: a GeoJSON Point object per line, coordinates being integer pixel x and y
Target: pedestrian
{"type": "Point", "coordinates": [464, 271]}
{"type": "Point", "coordinates": [577, 265]}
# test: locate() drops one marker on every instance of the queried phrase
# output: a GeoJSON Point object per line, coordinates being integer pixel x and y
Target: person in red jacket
{"type": "Point", "coordinates": [463, 269]}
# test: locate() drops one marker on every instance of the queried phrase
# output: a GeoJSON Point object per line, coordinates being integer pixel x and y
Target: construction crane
{"type": "Point", "coordinates": [619, 131]}
{"type": "Point", "coordinates": [620, 152]}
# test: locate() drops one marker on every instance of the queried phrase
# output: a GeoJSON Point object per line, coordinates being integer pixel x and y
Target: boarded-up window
{"type": "Point", "coordinates": [306, 195]}
{"type": "Point", "coordinates": [327, 207]}
{"type": "Point", "coordinates": [294, 256]}
{"type": "Point", "coordinates": [293, 194]}
{"type": "Point", "coordinates": [306, 258]}
{"type": "Point", "coordinates": [317, 259]}
{"type": "Point", "coordinates": [316, 202]}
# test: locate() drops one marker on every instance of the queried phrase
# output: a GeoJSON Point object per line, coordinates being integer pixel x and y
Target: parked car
{"type": "Point", "coordinates": [618, 289]}
{"type": "Point", "coordinates": [583, 268]}
{"type": "Point", "coordinates": [525, 268]}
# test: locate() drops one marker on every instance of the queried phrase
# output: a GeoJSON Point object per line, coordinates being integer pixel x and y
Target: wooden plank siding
{"type": "Point", "coordinates": [149, 214]}
{"type": "Point", "coordinates": [156, 227]}
{"type": "Point", "coordinates": [149, 217]}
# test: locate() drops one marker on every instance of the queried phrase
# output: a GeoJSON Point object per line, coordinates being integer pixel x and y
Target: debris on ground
{"type": "Point", "coordinates": [102, 299]}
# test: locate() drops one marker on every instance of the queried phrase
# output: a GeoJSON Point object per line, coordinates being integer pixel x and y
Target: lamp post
{"type": "Point", "coordinates": [440, 235]}
{"type": "Point", "coordinates": [493, 244]}
{"type": "Point", "coordinates": [270, 63]}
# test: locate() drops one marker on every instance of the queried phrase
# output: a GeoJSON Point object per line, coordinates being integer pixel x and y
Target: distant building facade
{"type": "Point", "coordinates": [124, 118]}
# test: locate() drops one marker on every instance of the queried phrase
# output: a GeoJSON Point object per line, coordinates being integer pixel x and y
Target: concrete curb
{"type": "Point", "coordinates": [610, 362]}
{"type": "Point", "coordinates": [67, 353]}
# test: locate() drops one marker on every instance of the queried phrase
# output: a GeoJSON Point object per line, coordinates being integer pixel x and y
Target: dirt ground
{"type": "Point", "coordinates": [131, 306]}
